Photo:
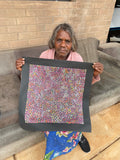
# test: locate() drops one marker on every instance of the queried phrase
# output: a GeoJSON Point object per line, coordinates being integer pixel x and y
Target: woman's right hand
{"type": "Point", "coordinates": [19, 63]}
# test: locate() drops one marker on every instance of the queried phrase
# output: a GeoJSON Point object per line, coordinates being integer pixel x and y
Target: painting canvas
{"type": "Point", "coordinates": [54, 95]}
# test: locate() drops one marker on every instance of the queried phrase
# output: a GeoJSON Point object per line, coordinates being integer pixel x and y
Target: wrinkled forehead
{"type": "Point", "coordinates": [63, 33]}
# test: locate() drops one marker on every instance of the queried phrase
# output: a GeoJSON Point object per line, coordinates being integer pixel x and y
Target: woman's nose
{"type": "Point", "coordinates": [63, 43]}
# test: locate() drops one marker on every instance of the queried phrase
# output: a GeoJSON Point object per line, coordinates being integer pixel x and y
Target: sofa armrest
{"type": "Point", "coordinates": [112, 49]}
{"type": "Point", "coordinates": [106, 57]}
{"type": "Point", "coordinates": [111, 64]}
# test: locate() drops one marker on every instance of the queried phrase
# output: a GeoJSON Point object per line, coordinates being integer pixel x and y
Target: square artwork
{"type": "Point", "coordinates": [55, 95]}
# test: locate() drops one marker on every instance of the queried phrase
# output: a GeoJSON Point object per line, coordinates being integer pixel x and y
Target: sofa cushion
{"type": "Point", "coordinates": [107, 83]}
{"type": "Point", "coordinates": [29, 52]}
{"type": "Point", "coordinates": [104, 93]}
{"type": "Point", "coordinates": [9, 96]}
{"type": "Point", "coordinates": [87, 48]}
{"type": "Point", "coordinates": [7, 62]}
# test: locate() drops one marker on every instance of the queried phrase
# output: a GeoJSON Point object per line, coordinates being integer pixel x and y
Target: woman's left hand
{"type": "Point", "coordinates": [98, 68]}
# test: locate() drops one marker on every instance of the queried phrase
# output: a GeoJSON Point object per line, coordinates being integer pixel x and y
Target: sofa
{"type": "Point", "coordinates": [104, 93]}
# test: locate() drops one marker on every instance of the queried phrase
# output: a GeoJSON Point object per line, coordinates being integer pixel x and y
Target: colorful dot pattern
{"type": "Point", "coordinates": [55, 95]}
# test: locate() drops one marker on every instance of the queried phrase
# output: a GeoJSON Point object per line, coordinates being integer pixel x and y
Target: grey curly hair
{"type": "Point", "coordinates": [66, 27]}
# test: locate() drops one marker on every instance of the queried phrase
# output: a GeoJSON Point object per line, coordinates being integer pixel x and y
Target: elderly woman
{"type": "Point", "coordinates": [63, 46]}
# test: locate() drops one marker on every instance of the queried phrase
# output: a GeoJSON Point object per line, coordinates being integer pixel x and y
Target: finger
{"type": "Point", "coordinates": [98, 66]}
{"type": "Point", "coordinates": [21, 59]}
{"type": "Point", "coordinates": [19, 68]}
{"type": "Point", "coordinates": [95, 67]}
{"type": "Point", "coordinates": [20, 62]}
{"type": "Point", "coordinates": [99, 70]}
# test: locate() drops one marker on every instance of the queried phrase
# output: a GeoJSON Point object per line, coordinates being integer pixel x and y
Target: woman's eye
{"type": "Point", "coordinates": [59, 40]}
{"type": "Point", "coordinates": [67, 41]}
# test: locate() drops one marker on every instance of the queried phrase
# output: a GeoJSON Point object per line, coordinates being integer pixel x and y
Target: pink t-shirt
{"type": "Point", "coordinates": [74, 56]}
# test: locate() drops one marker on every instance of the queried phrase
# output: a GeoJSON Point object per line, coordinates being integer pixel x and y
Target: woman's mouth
{"type": "Point", "coordinates": [63, 50]}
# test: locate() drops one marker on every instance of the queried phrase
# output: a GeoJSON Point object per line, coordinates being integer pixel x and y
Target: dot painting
{"type": "Point", "coordinates": [55, 95]}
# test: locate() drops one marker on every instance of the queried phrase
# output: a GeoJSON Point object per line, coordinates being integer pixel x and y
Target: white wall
{"type": "Point", "coordinates": [116, 18]}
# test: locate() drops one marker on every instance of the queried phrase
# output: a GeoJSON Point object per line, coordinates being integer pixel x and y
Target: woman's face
{"type": "Point", "coordinates": [63, 44]}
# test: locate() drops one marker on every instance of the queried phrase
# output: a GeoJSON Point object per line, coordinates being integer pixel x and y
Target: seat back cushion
{"type": "Point", "coordinates": [87, 48]}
